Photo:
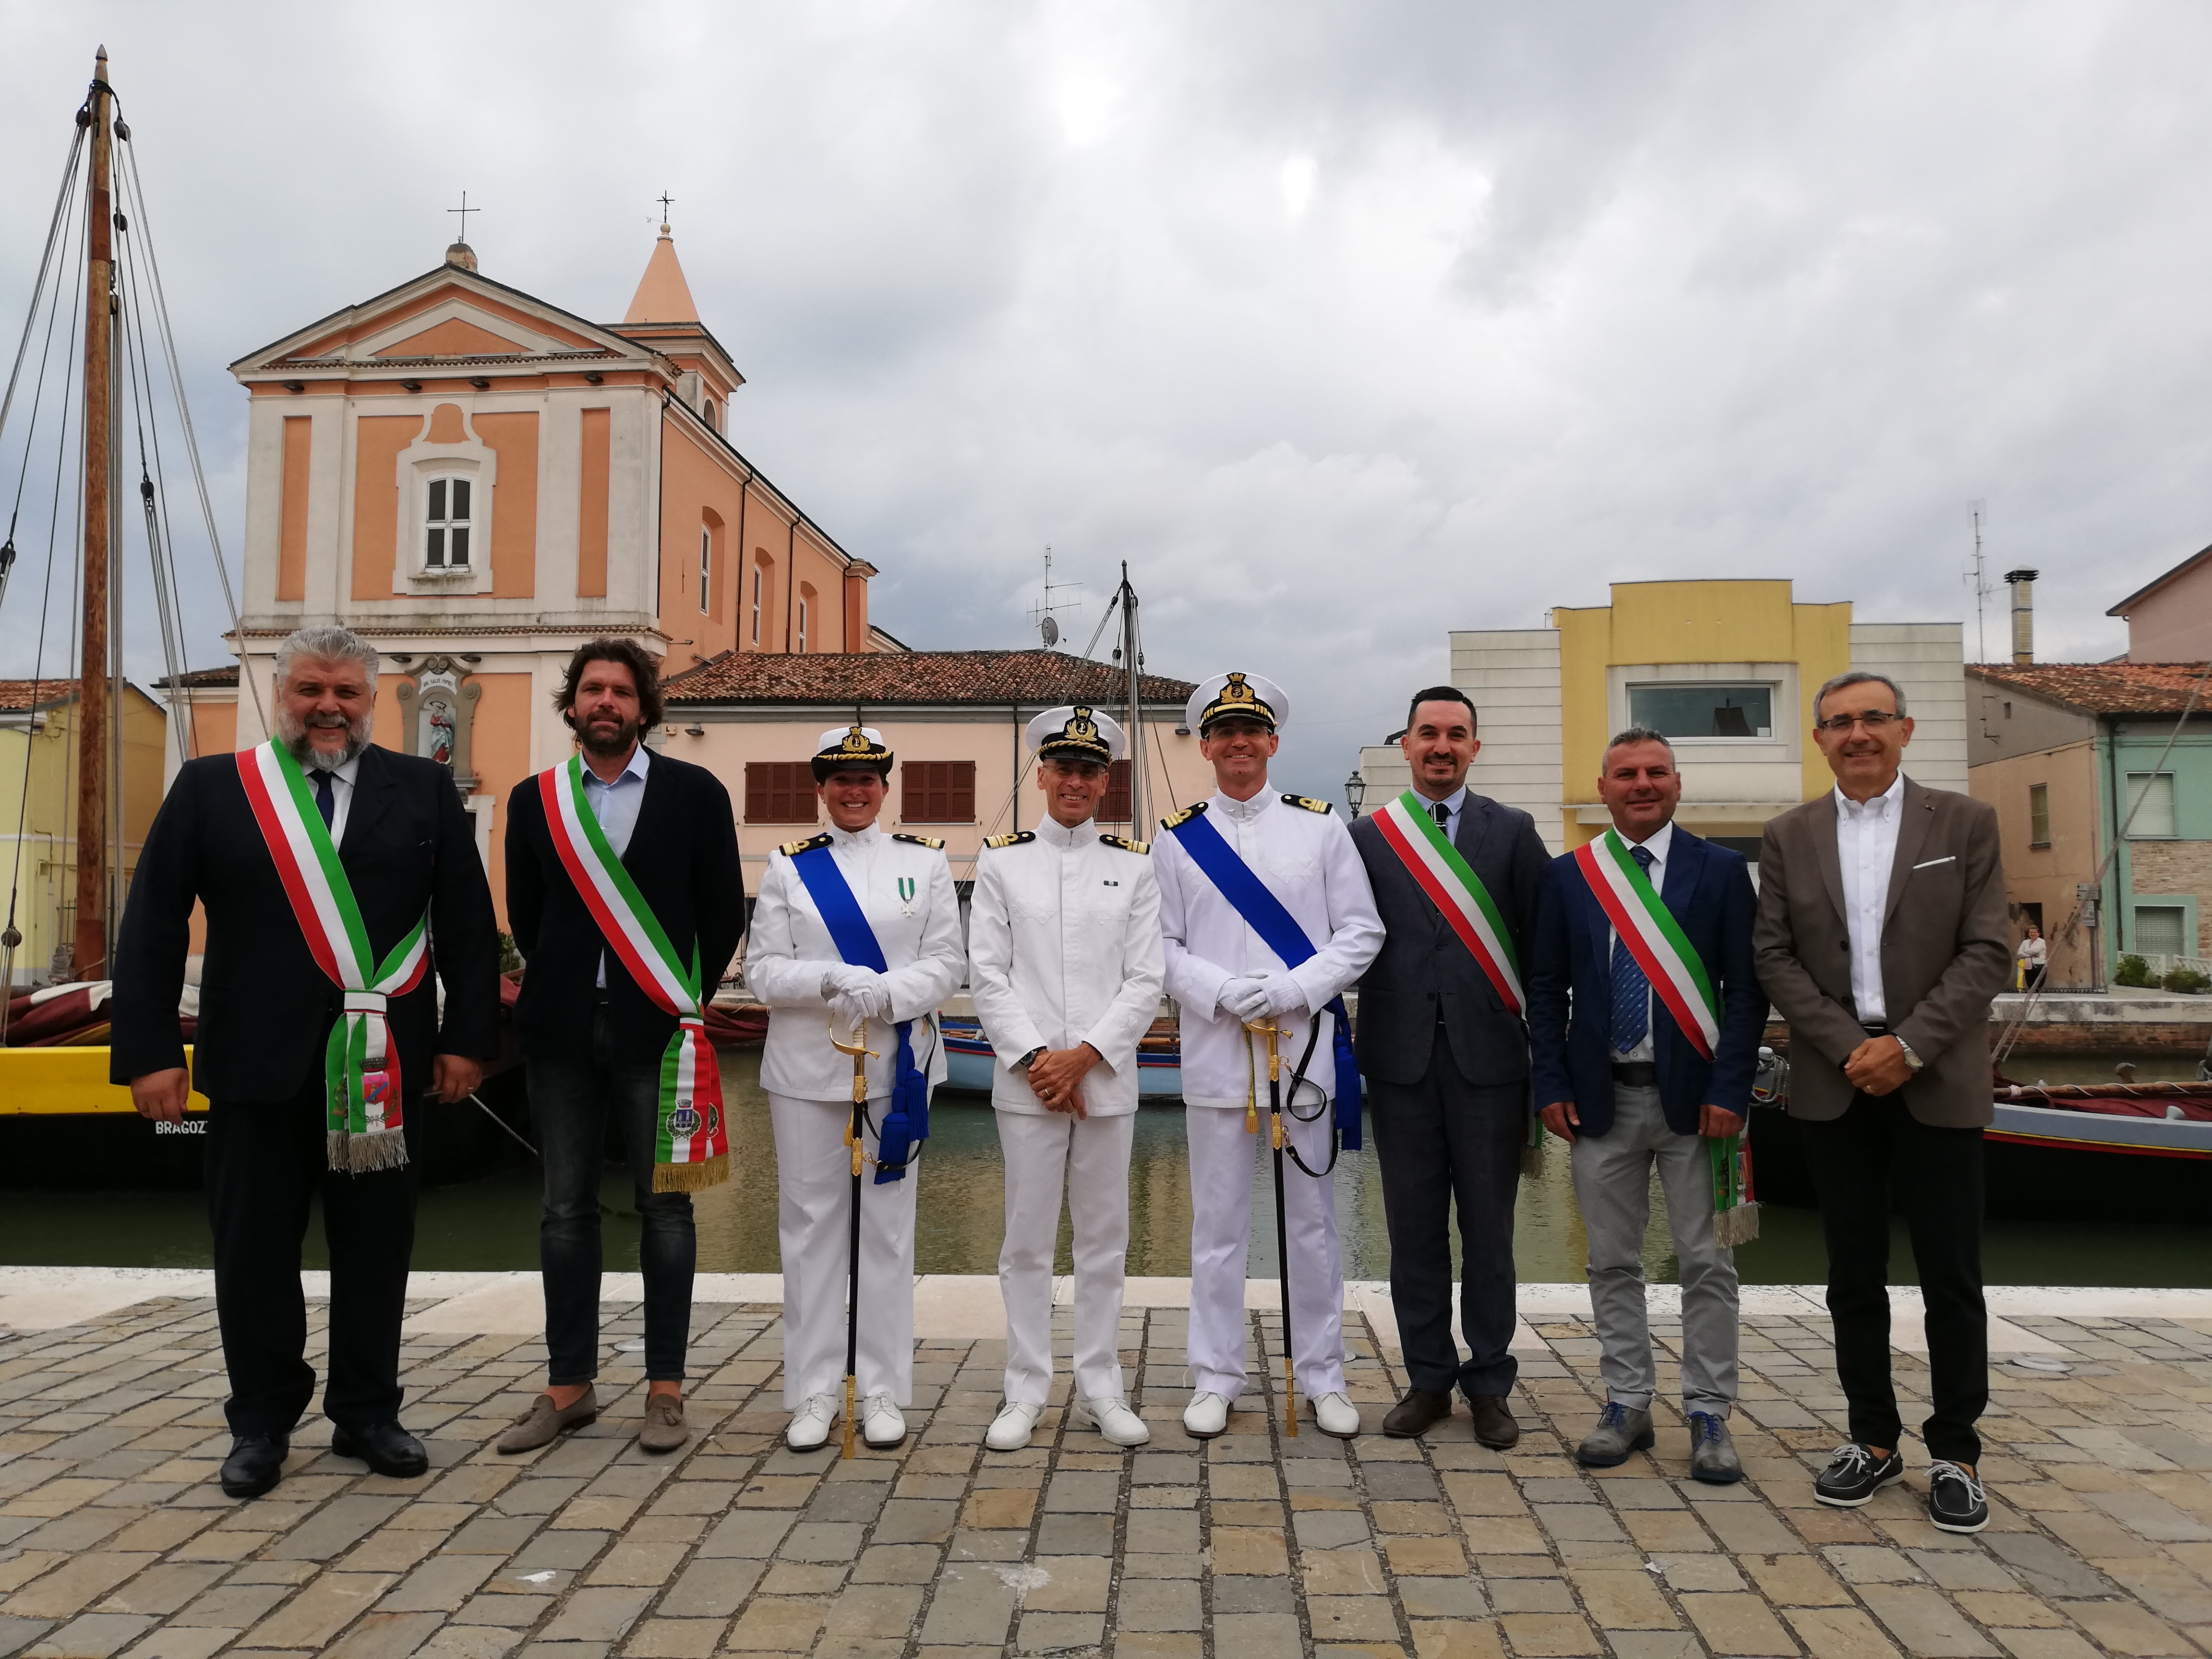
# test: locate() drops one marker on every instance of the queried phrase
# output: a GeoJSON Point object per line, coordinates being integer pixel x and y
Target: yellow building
{"type": "Point", "coordinates": [1726, 669]}
{"type": "Point", "coordinates": [38, 785]}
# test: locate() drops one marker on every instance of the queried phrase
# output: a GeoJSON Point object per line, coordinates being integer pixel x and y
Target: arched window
{"type": "Point", "coordinates": [705, 567]}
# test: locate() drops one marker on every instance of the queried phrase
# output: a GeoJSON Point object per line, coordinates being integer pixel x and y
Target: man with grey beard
{"type": "Point", "coordinates": [325, 866]}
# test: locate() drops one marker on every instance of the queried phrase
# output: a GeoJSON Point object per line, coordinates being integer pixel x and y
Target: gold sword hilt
{"type": "Point", "coordinates": [1269, 1030]}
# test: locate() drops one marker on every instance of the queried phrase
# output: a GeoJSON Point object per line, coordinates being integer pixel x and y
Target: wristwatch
{"type": "Point", "coordinates": [1023, 1064]}
{"type": "Point", "coordinates": [1905, 1049]}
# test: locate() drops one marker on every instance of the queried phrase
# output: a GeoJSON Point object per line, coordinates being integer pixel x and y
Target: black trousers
{"type": "Point", "coordinates": [1875, 1148]}
{"type": "Point", "coordinates": [263, 1162]}
{"type": "Point", "coordinates": [1440, 1140]}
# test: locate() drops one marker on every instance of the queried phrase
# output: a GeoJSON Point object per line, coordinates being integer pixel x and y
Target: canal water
{"type": "Point", "coordinates": [492, 1223]}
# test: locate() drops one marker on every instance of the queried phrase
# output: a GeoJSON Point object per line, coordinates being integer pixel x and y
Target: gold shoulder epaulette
{"type": "Point", "coordinates": [932, 843]}
{"type": "Point", "coordinates": [1309, 803]}
{"type": "Point", "coordinates": [1126, 844]}
{"type": "Point", "coordinates": [1014, 840]}
{"type": "Point", "coordinates": [1183, 817]}
{"type": "Point", "coordinates": [792, 849]}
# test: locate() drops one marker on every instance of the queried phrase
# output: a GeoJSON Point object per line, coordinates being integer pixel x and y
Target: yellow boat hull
{"type": "Point", "coordinates": [67, 1083]}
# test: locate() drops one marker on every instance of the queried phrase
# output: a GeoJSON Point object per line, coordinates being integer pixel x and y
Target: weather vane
{"type": "Point", "coordinates": [464, 209]}
{"type": "Point", "coordinates": [665, 198]}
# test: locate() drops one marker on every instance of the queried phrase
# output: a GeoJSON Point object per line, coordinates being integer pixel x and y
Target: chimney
{"type": "Point", "coordinates": [2023, 614]}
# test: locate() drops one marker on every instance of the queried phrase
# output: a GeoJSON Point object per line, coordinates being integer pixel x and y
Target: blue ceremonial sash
{"type": "Point", "coordinates": [1279, 931]}
{"type": "Point", "coordinates": [906, 1123]}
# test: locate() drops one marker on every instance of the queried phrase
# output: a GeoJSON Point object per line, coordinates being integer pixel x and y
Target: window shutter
{"type": "Point", "coordinates": [1114, 809]}
{"type": "Point", "coordinates": [778, 792]}
{"type": "Point", "coordinates": [937, 791]}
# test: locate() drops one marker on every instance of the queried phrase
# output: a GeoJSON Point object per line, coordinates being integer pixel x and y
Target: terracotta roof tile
{"type": "Point", "coordinates": [18, 694]}
{"type": "Point", "coordinates": [2104, 688]}
{"type": "Point", "coordinates": [878, 677]}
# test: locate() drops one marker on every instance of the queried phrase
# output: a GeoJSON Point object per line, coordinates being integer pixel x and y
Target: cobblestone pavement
{"type": "Point", "coordinates": [114, 1540]}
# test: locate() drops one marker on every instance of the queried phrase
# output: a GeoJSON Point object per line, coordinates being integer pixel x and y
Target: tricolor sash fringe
{"type": "Point", "coordinates": [691, 1150]}
{"type": "Point", "coordinates": [365, 1128]}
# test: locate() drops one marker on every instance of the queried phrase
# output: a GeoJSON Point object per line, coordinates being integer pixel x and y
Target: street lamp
{"type": "Point", "coordinates": [1355, 791]}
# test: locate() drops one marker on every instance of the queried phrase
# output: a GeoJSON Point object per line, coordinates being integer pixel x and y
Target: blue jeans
{"type": "Point", "coordinates": [569, 1100]}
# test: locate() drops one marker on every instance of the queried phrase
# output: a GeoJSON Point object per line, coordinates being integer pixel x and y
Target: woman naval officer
{"type": "Point", "coordinates": [902, 888]}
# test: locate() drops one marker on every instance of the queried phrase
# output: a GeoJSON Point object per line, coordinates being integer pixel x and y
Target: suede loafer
{"type": "Point", "coordinates": [545, 1422]}
{"type": "Point", "coordinates": [664, 1429]}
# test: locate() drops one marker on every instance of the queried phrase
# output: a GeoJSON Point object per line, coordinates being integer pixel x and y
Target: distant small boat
{"type": "Point", "coordinates": [968, 1060]}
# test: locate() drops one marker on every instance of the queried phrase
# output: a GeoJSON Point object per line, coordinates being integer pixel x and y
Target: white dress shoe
{"type": "Point", "coordinates": [1114, 1419]}
{"type": "Point", "coordinates": [1009, 1429]}
{"type": "Point", "coordinates": [1206, 1416]}
{"type": "Point", "coordinates": [1335, 1414]}
{"type": "Point", "coordinates": [881, 1426]}
{"type": "Point", "coordinates": [809, 1424]}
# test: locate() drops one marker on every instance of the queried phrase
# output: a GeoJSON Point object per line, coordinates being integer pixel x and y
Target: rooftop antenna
{"type": "Point", "coordinates": [1978, 580]}
{"type": "Point", "coordinates": [1048, 625]}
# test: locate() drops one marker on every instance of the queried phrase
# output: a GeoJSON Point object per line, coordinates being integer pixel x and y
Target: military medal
{"type": "Point", "coordinates": [906, 890]}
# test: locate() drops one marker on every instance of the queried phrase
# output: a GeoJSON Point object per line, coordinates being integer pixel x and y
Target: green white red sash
{"type": "Point", "coordinates": [1452, 885]}
{"type": "Point", "coordinates": [361, 1067]}
{"type": "Point", "coordinates": [693, 1136]}
{"type": "Point", "coordinates": [1654, 938]}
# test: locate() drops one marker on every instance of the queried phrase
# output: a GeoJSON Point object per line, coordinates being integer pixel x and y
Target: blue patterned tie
{"type": "Point", "coordinates": [325, 798]}
{"type": "Point", "coordinates": [1632, 992]}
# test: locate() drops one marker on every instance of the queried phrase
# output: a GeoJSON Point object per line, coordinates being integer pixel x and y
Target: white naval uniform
{"type": "Point", "coordinates": [1063, 948]}
{"type": "Point", "coordinates": [1307, 860]}
{"type": "Point", "coordinates": [810, 1090]}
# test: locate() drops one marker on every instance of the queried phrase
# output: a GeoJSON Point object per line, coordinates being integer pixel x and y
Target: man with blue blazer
{"type": "Point", "coordinates": [1444, 1053]}
{"type": "Point", "coordinates": [1644, 1014]}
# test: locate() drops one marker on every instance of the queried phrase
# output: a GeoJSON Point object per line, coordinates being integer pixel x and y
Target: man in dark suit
{"type": "Point", "coordinates": [1882, 937]}
{"type": "Point", "coordinates": [1632, 1087]}
{"type": "Point", "coordinates": [267, 1007]}
{"type": "Point", "coordinates": [594, 1040]}
{"type": "Point", "coordinates": [1442, 1047]}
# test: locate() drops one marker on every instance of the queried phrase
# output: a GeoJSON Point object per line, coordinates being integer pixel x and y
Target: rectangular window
{"type": "Point", "coordinates": [759, 576]}
{"type": "Point", "coordinates": [780, 792]}
{"type": "Point", "coordinates": [2159, 930]}
{"type": "Point", "coordinates": [2039, 815]}
{"type": "Point", "coordinates": [802, 626]}
{"type": "Point", "coordinates": [1704, 711]}
{"type": "Point", "coordinates": [445, 525]}
{"type": "Point", "coordinates": [2148, 814]}
{"type": "Point", "coordinates": [937, 791]}
{"type": "Point", "coordinates": [705, 567]}
{"type": "Point", "coordinates": [1114, 809]}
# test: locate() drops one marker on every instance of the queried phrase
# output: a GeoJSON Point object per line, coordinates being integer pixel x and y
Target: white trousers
{"type": "Point", "coordinates": [1045, 1156]}
{"type": "Point", "coordinates": [1222, 1161]}
{"type": "Point", "coordinates": [814, 1186]}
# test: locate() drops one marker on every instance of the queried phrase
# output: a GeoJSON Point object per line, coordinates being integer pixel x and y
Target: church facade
{"type": "Point", "coordinates": [477, 480]}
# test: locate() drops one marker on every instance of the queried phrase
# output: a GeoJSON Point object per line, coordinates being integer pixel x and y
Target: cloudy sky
{"type": "Point", "coordinates": [1345, 324]}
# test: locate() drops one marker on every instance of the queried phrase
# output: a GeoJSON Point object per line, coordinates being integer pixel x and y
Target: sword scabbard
{"type": "Point", "coordinates": [847, 1452]}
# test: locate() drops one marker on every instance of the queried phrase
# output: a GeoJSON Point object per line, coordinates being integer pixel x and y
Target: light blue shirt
{"type": "Point", "coordinates": [615, 805]}
{"type": "Point", "coordinates": [1453, 804]}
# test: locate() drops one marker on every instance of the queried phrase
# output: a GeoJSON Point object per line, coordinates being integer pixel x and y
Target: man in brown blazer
{"type": "Point", "coordinates": [1881, 939]}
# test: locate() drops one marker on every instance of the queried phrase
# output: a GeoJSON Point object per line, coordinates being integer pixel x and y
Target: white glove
{"type": "Point", "coordinates": [859, 1002]}
{"type": "Point", "coordinates": [1285, 998]}
{"type": "Point", "coordinates": [1244, 998]}
{"type": "Point", "coordinates": [843, 977]}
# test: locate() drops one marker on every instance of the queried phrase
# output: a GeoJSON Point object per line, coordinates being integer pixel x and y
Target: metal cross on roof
{"type": "Point", "coordinates": [464, 209]}
{"type": "Point", "coordinates": [665, 198]}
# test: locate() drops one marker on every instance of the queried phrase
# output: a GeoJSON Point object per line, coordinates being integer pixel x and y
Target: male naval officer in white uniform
{"type": "Point", "coordinates": [903, 888]}
{"type": "Point", "coordinates": [1223, 975]}
{"type": "Point", "coordinates": [1065, 961]}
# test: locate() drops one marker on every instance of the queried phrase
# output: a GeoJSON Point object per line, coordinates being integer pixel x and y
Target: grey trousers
{"type": "Point", "coordinates": [1613, 1187]}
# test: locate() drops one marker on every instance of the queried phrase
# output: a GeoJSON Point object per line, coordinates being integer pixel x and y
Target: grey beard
{"type": "Point", "coordinates": [294, 737]}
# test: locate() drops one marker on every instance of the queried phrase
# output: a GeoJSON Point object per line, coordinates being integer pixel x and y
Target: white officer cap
{"type": "Point", "coordinates": [1238, 694]}
{"type": "Point", "coordinates": [1075, 732]}
{"type": "Point", "coordinates": [851, 748]}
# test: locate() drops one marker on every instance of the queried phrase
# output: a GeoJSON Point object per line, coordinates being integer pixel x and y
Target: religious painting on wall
{"type": "Point", "coordinates": [437, 710]}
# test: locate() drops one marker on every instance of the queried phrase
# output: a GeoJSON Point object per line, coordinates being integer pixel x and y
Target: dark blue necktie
{"type": "Point", "coordinates": [1632, 992]}
{"type": "Point", "coordinates": [326, 799]}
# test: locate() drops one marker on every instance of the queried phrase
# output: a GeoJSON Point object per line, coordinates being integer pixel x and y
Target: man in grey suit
{"type": "Point", "coordinates": [1444, 1047]}
{"type": "Point", "coordinates": [1881, 939]}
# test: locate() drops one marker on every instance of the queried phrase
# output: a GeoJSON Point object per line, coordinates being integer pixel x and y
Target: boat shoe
{"type": "Point", "coordinates": [1620, 1430]}
{"type": "Point", "coordinates": [545, 1422]}
{"type": "Point", "coordinates": [1854, 1475]}
{"type": "Point", "coordinates": [1956, 1502]}
{"type": "Point", "coordinates": [1009, 1429]}
{"type": "Point", "coordinates": [1113, 1419]}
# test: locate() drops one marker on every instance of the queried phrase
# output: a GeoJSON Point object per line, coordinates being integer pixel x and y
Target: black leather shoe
{"type": "Point", "coordinates": [387, 1448]}
{"type": "Point", "coordinates": [1421, 1411]}
{"type": "Point", "coordinates": [1493, 1421]}
{"type": "Point", "coordinates": [256, 1463]}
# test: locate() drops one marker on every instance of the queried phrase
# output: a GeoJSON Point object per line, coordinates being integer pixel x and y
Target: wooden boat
{"type": "Point", "coordinates": [968, 1060]}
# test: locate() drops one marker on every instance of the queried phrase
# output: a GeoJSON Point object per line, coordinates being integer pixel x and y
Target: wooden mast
{"type": "Point", "coordinates": [93, 713]}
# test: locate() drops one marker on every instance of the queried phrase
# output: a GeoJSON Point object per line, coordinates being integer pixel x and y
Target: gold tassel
{"type": "Point", "coordinates": [1738, 1225]}
{"type": "Point", "coordinates": [691, 1177]}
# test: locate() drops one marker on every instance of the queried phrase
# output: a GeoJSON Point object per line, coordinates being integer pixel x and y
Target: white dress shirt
{"type": "Point", "coordinates": [342, 782]}
{"type": "Point", "coordinates": [905, 891]}
{"type": "Point", "coordinates": [1308, 861]}
{"type": "Point", "coordinates": [1661, 840]}
{"type": "Point", "coordinates": [615, 805]}
{"type": "Point", "coordinates": [1866, 847]}
{"type": "Point", "coordinates": [1063, 948]}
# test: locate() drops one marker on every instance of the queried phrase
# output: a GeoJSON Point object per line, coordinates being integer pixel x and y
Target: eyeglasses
{"type": "Point", "coordinates": [1873, 720]}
